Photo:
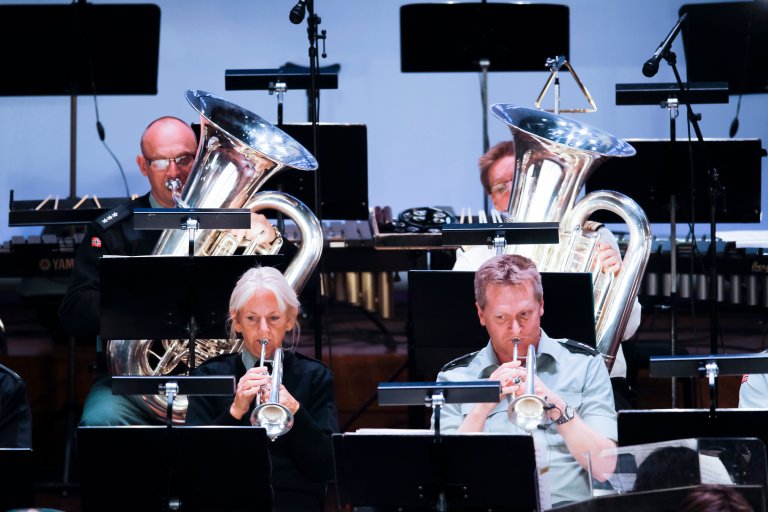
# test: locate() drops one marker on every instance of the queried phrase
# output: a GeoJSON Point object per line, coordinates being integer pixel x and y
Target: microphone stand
{"type": "Point", "coordinates": [715, 190]}
{"type": "Point", "coordinates": [313, 20]}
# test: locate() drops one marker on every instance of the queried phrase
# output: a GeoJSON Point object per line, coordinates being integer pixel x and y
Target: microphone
{"type": "Point", "coordinates": [297, 13]}
{"type": "Point", "coordinates": [651, 66]}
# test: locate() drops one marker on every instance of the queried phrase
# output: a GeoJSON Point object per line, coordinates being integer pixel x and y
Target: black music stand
{"type": "Point", "coordinates": [650, 184]}
{"type": "Point", "coordinates": [228, 470]}
{"type": "Point", "coordinates": [436, 394]}
{"type": "Point", "coordinates": [715, 189]}
{"type": "Point", "coordinates": [708, 366]}
{"type": "Point", "coordinates": [79, 49]}
{"type": "Point", "coordinates": [342, 172]}
{"type": "Point", "coordinates": [474, 37]}
{"type": "Point", "coordinates": [173, 385]}
{"type": "Point", "coordinates": [501, 234]}
{"type": "Point", "coordinates": [191, 219]}
{"type": "Point", "coordinates": [727, 41]}
{"type": "Point", "coordinates": [193, 303]}
{"type": "Point", "coordinates": [392, 472]}
{"type": "Point", "coordinates": [17, 482]}
{"type": "Point", "coordinates": [279, 80]}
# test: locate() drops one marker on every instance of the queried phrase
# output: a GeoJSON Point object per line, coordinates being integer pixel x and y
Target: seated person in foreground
{"type": "Point", "coordinates": [263, 306]}
{"type": "Point", "coordinates": [571, 377]}
{"type": "Point", "coordinates": [497, 172]}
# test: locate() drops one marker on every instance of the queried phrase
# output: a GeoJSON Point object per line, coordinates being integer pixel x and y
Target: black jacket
{"type": "Point", "coordinates": [112, 233]}
{"type": "Point", "coordinates": [15, 413]}
{"type": "Point", "coordinates": [302, 458]}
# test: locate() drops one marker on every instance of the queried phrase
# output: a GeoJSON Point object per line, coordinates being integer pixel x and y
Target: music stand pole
{"type": "Point", "coordinates": [672, 106]}
{"type": "Point", "coordinates": [715, 190]}
{"type": "Point", "coordinates": [484, 65]}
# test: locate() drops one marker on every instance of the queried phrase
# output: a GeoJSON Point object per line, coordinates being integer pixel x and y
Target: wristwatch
{"type": "Point", "coordinates": [566, 416]}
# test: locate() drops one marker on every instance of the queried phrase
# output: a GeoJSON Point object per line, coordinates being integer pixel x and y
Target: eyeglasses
{"type": "Point", "coordinates": [501, 188]}
{"type": "Point", "coordinates": [162, 164]}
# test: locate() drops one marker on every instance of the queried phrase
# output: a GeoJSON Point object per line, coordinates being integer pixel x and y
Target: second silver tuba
{"type": "Point", "coordinates": [554, 156]}
{"type": "Point", "coordinates": [237, 153]}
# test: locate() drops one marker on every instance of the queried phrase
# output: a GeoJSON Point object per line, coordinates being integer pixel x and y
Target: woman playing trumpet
{"type": "Point", "coordinates": [263, 306]}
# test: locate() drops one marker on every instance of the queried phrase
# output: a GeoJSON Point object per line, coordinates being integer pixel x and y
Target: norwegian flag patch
{"type": "Point", "coordinates": [745, 378]}
{"type": "Point", "coordinates": [95, 241]}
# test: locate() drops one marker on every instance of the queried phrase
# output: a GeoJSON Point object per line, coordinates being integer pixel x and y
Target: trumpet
{"type": "Point", "coordinates": [272, 415]}
{"type": "Point", "coordinates": [527, 411]}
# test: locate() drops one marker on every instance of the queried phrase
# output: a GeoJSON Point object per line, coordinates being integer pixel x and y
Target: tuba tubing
{"type": "Point", "coordinates": [615, 309]}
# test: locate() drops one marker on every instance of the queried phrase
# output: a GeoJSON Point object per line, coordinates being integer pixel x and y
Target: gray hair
{"type": "Point", "coordinates": [265, 278]}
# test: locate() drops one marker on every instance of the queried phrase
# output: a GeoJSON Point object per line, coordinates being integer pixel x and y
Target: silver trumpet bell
{"type": "Point", "coordinates": [272, 415]}
{"type": "Point", "coordinates": [528, 411]}
{"type": "Point", "coordinates": [554, 157]}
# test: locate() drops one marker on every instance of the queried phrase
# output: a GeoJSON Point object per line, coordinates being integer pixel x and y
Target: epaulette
{"type": "Point", "coordinates": [578, 347]}
{"type": "Point", "coordinates": [116, 214]}
{"type": "Point", "coordinates": [459, 362]}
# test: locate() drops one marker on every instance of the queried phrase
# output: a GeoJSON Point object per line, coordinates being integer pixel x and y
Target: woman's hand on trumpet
{"type": "Point", "coordinates": [255, 382]}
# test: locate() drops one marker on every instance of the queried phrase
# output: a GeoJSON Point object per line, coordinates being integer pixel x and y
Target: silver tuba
{"type": "Point", "coordinates": [554, 157]}
{"type": "Point", "coordinates": [238, 152]}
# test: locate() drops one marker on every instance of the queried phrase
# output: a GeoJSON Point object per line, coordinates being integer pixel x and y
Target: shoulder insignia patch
{"type": "Point", "coordinates": [114, 215]}
{"type": "Point", "coordinates": [459, 362]}
{"type": "Point", "coordinates": [578, 347]}
{"type": "Point", "coordinates": [744, 378]}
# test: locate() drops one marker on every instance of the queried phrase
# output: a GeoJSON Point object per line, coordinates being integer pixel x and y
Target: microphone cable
{"type": "Point", "coordinates": [99, 127]}
{"type": "Point", "coordinates": [102, 136]}
{"type": "Point", "coordinates": [734, 128]}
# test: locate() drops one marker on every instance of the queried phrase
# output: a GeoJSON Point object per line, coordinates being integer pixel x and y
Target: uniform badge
{"type": "Point", "coordinates": [95, 241]}
{"type": "Point", "coordinates": [744, 378]}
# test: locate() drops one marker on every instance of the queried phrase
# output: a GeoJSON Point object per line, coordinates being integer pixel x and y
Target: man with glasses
{"type": "Point", "coordinates": [497, 172]}
{"type": "Point", "coordinates": [168, 148]}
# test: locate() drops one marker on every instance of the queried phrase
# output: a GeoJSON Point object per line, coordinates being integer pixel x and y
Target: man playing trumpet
{"type": "Point", "coordinates": [572, 380]}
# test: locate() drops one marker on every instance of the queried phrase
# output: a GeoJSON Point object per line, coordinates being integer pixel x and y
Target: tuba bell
{"type": "Point", "coordinates": [237, 153]}
{"type": "Point", "coordinates": [554, 157]}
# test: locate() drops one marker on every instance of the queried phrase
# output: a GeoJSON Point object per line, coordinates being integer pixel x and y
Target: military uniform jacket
{"type": "Point", "coordinates": [572, 370]}
{"type": "Point", "coordinates": [112, 233]}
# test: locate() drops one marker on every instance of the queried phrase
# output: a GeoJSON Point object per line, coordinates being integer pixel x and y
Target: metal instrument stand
{"type": "Point", "coordinates": [436, 395]}
{"type": "Point", "coordinates": [171, 386]}
{"type": "Point", "coordinates": [554, 65]}
{"type": "Point", "coordinates": [191, 219]}
{"type": "Point", "coordinates": [671, 104]}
